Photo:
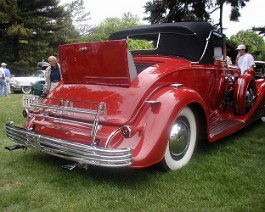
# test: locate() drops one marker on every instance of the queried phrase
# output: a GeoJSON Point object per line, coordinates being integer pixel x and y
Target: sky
{"type": "Point", "coordinates": [251, 15]}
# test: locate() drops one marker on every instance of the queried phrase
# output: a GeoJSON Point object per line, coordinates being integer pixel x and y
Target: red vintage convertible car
{"type": "Point", "coordinates": [121, 106]}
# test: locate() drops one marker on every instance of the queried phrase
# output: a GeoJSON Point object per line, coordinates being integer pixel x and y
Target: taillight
{"type": "Point", "coordinates": [129, 131]}
{"type": "Point", "coordinates": [126, 131]}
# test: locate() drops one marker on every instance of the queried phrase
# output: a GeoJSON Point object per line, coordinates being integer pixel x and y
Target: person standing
{"type": "Point", "coordinates": [7, 78]}
{"type": "Point", "coordinates": [3, 87]}
{"type": "Point", "coordinates": [244, 60]}
{"type": "Point", "coordinates": [53, 75]}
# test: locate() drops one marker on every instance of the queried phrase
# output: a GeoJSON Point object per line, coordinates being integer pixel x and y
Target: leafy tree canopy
{"type": "Point", "coordinates": [254, 43]}
{"type": "Point", "coordinates": [80, 16]}
{"type": "Point", "coordinates": [30, 31]}
{"type": "Point", "coordinates": [260, 30]}
{"type": "Point", "coordinates": [103, 30]}
{"type": "Point", "coordinates": [165, 11]}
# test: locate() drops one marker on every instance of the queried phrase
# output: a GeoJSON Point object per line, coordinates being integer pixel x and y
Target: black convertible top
{"type": "Point", "coordinates": [201, 29]}
{"type": "Point", "coordinates": [183, 39]}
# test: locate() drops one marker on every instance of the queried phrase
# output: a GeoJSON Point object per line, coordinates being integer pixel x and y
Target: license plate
{"type": "Point", "coordinates": [27, 100]}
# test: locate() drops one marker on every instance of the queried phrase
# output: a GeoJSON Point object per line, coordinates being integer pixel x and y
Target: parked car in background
{"type": "Point", "coordinates": [121, 106]}
{"type": "Point", "coordinates": [259, 69]}
{"type": "Point", "coordinates": [24, 84]}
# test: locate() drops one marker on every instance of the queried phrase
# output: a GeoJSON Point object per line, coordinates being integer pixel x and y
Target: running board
{"type": "Point", "coordinates": [224, 126]}
{"type": "Point", "coordinates": [14, 147]}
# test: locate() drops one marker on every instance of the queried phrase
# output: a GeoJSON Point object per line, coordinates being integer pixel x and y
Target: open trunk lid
{"type": "Point", "coordinates": [101, 63]}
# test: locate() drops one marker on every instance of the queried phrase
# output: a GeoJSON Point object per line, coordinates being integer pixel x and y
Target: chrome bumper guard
{"type": "Point", "coordinates": [81, 153]}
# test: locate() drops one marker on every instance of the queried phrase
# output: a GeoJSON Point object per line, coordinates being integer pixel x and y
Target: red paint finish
{"type": "Point", "coordinates": [104, 93]}
{"type": "Point", "coordinates": [95, 63]}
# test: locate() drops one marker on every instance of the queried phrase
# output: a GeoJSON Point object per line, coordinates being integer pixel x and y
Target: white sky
{"type": "Point", "coordinates": [251, 15]}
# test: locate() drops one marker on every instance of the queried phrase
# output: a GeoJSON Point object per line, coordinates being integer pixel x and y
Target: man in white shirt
{"type": "Point", "coordinates": [244, 60]}
{"type": "Point", "coordinates": [2, 82]}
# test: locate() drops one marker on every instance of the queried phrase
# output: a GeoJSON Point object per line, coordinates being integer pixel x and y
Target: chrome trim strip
{"type": "Point", "coordinates": [176, 85]}
{"type": "Point", "coordinates": [111, 135]}
{"type": "Point", "coordinates": [81, 153]}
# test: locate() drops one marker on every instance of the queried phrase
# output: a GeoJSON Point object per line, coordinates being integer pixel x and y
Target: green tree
{"type": "Point", "coordinates": [260, 30]}
{"type": "Point", "coordinates": [79, 16]}
{"type": "Point", "coordinates": [31, 30]}
{"type": "Point", "coordinates": [236, 5]}
{"type": "Point", "coordinates": [165, 11]}
{"type": "Point", "coordinates": [254, 43]}
{"type": "Point", "coordinates": [103, 30]}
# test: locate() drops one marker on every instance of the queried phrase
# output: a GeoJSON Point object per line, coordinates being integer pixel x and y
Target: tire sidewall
{"type": "Point", "coordinates": [169, 161]}
{"type": "Point", "coordinates": [23, 90]}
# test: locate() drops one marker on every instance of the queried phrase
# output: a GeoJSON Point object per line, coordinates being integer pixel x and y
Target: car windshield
{"type": "Point", "coordinates": [39, 74]}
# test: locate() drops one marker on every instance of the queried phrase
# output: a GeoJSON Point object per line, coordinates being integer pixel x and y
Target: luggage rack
{"type": "Point", "coordinates": [71, 112]}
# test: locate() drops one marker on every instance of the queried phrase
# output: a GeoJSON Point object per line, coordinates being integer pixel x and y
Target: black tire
{"type": "Point", "coordinates": [181, 141]}
{"type": "Point", "coordinates": [26, 89]}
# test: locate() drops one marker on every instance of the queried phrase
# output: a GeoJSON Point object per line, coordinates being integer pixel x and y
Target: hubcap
{"type": "Point", "coordinates": [26, 89]}
{"type": "Point", "coordinates": [179, 139]}
{"type": "Point", "coordinates": [249, 98]}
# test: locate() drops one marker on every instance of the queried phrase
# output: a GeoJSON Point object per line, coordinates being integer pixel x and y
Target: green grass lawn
{"type": "Point", "coordinates": [228, 175]}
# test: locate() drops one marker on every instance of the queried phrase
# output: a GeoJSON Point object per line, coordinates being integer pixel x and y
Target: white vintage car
{"type": "Point", "coordinates": [24, 84]}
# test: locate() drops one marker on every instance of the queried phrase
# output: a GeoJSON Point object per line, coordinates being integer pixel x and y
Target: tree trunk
{"type": "Point", "coordinates": [221, 17]}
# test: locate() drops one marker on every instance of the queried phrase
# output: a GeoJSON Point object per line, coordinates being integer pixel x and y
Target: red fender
{"type": "Point", "coordinates": [252, 72]}
{"type": "Point", "coordinates": [245, 83]}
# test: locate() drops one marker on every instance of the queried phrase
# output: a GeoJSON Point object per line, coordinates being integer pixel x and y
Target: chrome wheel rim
{"type": "Point", "coordinates": [179, 138]}
{"type": "Point", "coordinates": [26, 89]}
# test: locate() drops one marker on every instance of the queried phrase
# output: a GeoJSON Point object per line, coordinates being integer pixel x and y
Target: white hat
{"type": "Point", "coordinates": [241, 46]}
{"type": "Point", "coordinates": [3, 64]}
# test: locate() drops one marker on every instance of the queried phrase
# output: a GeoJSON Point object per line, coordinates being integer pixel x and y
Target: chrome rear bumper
{"type": "Point", "coordinates": [78, 152]}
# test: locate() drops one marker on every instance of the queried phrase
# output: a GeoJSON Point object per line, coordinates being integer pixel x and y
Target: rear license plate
{"type": "Point", "coordinates": [27, 100]}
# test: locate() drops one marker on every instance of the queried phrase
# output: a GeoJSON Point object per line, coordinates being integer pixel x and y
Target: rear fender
{"type": "Point", "coordinates": [158, 115]}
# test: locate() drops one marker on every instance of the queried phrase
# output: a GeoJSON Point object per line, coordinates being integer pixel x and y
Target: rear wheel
{"type": "Point", "coordinates": [181, 141]}
{"type": "Point", "coordinates": [26, 89]}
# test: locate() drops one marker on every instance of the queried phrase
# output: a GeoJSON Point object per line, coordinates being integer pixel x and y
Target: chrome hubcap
{"type": "Point", "coordinates": [179, 138]}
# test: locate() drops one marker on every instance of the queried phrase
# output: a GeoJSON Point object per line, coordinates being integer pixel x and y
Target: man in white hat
{"type": "Point", "coordinates": [244, 60]}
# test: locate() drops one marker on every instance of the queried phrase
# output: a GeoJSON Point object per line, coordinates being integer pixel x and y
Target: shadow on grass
{"type": "Point", "coordinates": [53, 165]}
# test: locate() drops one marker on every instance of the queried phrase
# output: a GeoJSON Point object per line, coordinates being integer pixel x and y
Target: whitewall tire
{"type": "Point", "coordinates": [181, 141]}
{"type": "Point", "coordinates": [26, 89]}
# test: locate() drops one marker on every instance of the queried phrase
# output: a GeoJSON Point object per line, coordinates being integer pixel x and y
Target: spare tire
{"type": "Point", "coordinates": [244, 94]}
